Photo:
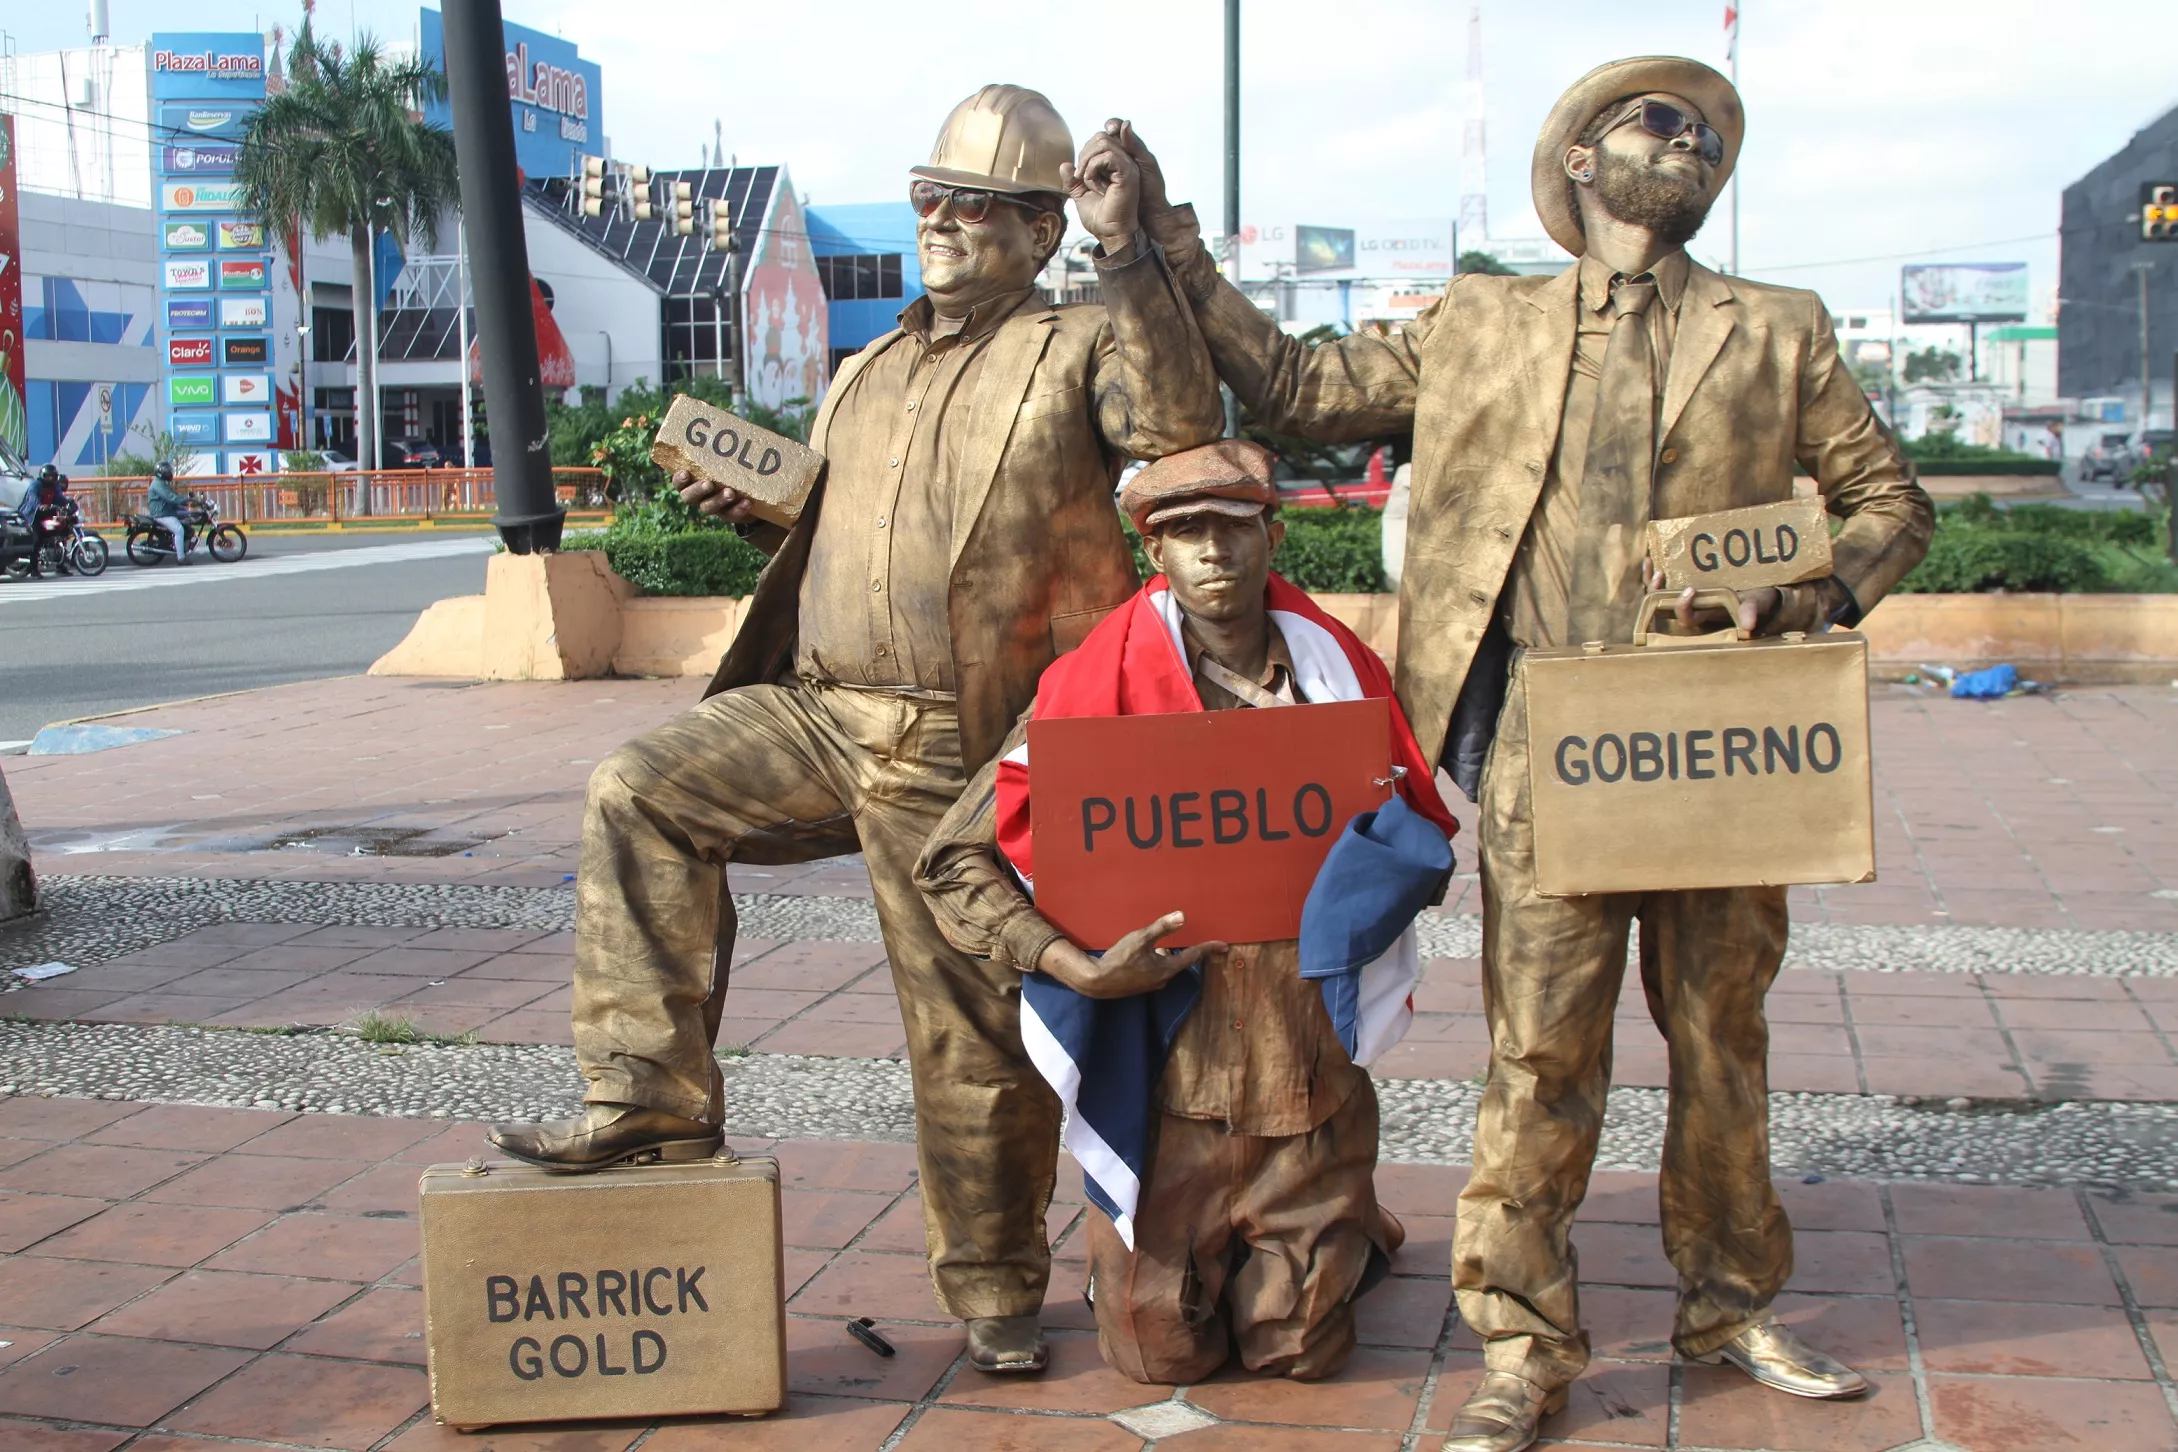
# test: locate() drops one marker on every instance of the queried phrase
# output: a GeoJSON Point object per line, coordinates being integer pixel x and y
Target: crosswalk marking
{"type": "Point", "coordinates": [121, 575]}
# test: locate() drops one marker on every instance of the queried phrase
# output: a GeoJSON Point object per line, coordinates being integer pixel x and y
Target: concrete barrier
{"type": "Point", "coordinates": [568, 617]}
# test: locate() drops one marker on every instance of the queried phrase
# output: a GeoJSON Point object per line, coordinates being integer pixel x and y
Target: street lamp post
{"type": "Point", "coordinates": [529, 518]}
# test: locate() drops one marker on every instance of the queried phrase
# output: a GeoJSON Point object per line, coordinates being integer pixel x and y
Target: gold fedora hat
{"type": "Point", "coordinates": [1003, 138]}
{"type": "Point", "coordinates": [1638, 75]}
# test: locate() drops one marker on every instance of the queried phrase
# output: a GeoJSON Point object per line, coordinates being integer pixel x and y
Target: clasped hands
{"type": "Point", "coordinates": [1134, 964]}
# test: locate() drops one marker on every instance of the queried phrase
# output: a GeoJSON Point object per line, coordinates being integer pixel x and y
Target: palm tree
{"type": "Point", "coordinates": [345, 149]}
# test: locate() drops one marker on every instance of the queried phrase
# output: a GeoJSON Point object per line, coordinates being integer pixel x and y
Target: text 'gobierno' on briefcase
{"type": "Point", "coordinates": [642, 1291]}
{"type": "Point", "coordinates": [1697, 762]}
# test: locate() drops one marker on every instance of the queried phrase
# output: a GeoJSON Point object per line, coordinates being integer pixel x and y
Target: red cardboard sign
{"type": "Point", "coordinates": [1223, 815]}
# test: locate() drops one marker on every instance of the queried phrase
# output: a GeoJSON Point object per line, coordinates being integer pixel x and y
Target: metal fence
{"type": "Point", "coordinates": [414, 494]}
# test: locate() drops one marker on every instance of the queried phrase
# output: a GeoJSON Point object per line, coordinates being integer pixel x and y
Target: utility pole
{"type": "Point", "coordinates": [2147, 389]}
{"type": "Point", "coordinates": [529, 518]}
{"type": "Point", "coordinates": [1232, 179]}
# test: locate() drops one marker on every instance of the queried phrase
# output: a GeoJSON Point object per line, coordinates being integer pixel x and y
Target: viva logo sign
{"type": "Point", "coordinates": [186, 392]}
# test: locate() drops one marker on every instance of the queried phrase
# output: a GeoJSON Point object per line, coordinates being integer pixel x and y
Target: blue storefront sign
{"type": "Point", "coordinates": [554, 93]}
{"type": "Point", "coordinates": [206, 86]}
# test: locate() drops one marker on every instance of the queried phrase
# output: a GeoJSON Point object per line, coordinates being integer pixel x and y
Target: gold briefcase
{"type": "Point", "coordinates": [1700, 761]}
{"type": "Point", "coordinates": [647, 1291]}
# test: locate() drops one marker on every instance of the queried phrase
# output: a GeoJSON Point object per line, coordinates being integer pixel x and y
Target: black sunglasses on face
{"type": "Point", "coordinates": [1667, 122]}
{"type": "Point", "coordinates": [970, 204]}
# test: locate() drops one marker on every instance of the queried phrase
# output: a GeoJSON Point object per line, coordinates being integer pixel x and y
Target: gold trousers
{"type": "Point", "coordinates": [1551, 971]}
{"type": "Point", "coordinates": [773, 774]}
{"type": "Point", "coordinates": [1241, 1239]}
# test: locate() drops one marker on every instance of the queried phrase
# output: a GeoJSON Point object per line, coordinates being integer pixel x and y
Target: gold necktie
{"type": "Point", "coordinates": [1607, 583]}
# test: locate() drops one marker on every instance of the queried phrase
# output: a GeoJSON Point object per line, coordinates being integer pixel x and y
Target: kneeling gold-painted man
{"type": "Point", "coordinates": [962, 536]}
{"type": "Point", "coordinates": [1553, 418]}
{"type": "Point", "coordinates": [1256, 1223]}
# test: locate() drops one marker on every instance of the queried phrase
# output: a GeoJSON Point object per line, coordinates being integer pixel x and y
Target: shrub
{"type": "Point", "coordinates": [1327, 551]}
{"type": "Point", "coordinates": [685, 562]}
{"type": "Point", "coordinates": [1965, 559]}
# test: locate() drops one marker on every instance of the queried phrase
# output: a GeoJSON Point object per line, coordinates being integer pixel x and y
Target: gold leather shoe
{"type": "Point", "coordinates": [604, 1135]}
{"type": "Point", "coordinates": [1008, 1345]}
{"type": "Point", "coordinates": [1774, 1356]}
{"type": "Point", "coordinates": [1504, 1414]}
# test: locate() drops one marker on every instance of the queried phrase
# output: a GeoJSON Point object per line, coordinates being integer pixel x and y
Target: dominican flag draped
{"type": "Point", "coordinates": [1104, 1056]}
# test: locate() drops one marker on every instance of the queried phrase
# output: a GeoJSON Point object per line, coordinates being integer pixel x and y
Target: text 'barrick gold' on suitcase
{"type": "Point", "coordinates": [1700, 761]}
{"type": "Point", "coordinates": [644, 1291]}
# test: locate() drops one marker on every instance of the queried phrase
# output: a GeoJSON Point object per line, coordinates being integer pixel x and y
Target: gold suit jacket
{"type": "Point", "coordinates": [1067, 395]}
{"type": "Point", "coordinates": [1756, 387]}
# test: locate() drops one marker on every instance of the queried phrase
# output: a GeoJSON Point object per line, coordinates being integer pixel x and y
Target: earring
{"type": "Point", "coordinates": [1587, 176]}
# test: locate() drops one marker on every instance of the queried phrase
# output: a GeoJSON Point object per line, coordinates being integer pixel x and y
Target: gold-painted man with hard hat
{"type": "Point", "coordinates": [1552, 418]}
{"type": "Point", "coordinates": [962, 536]}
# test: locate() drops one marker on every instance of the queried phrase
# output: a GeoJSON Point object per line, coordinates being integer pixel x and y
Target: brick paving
{"type": "Point", "coordinates": [187, 1277]}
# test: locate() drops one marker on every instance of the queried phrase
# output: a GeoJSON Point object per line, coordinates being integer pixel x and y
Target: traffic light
{"type": "Point", "coordinates": [722, 223]}
{"type": "Point", "coordinates": [640, 189]}
{"type": "Point", "coordinates": [2159, 212]}
{"type": "Point", "coordinates": [596, 186]}
{"type": "Point", "coordinates": [684, 209]}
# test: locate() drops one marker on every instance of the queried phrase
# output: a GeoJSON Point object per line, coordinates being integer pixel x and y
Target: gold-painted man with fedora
{"type": "Point", "coordinates": [1552, 418]}
{"type": "Point", "coordinates": [961, 537]}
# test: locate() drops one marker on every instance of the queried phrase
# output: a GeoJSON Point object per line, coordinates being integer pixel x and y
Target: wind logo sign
{"type": "Point", "coordinates": [186, 274]}
{"type": "Point", "coordinates": [195, 196]}
{"type": "Point", "coordinates": [241, 312]}
{"type": "Point", "coordinates": [185, 237]}
{"type": "Point", "coordinates": [242, 272]}
{"type": "Point", "coordinates": [189, 352]}
{"type": "Point", "coordinates": [241, 236]}
{"type": "Point", "coordinates": [189, 392]}
{"type": "Point", "coordinates": [195, 428]}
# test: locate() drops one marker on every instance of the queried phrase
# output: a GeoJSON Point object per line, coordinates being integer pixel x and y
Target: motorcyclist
{"type": "Point", "coordinates": [165, 508]}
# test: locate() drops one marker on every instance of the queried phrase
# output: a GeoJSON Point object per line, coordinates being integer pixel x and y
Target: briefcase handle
{"type": "Point", "coordinates": [1665, 599]}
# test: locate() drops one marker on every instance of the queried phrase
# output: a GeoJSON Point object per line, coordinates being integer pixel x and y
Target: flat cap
{"type": "Point", "coordinates": [1231, 476]}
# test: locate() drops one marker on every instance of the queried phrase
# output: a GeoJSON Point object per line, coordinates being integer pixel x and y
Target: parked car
{"type": "Point", "coordinates": [2111, 459]}
{"type": "Point", "coordinates": [412, 453]}
{"type": "Point", "coordinates": [337, 463]}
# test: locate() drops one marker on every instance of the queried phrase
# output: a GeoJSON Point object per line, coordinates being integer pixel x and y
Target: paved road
{"type": "Point", "coordinates": [299, 607]}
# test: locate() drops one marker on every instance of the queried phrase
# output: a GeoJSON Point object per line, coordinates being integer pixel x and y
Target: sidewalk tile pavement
{"type": "Point", "coordinates": [145, 1310]}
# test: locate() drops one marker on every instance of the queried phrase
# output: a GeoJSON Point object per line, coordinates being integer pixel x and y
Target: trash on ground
{"type": "Point", "coordinates": [864, 1331]}
{"type": "Point", "coordinates": [45, 970]}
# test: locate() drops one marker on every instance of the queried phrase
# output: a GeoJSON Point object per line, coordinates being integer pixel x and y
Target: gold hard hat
{"type": "Point", "coordinates": [1004, 138]}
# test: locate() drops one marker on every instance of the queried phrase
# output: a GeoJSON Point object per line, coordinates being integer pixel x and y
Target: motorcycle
{"type": "Point", "coordinates": [68, 546]}
{"type": "Point", "coordinates": [148, 541]}
{"type": "Point", "coordinates": [18, 548]}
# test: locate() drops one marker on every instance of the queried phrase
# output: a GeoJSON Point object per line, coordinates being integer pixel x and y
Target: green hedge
{"type": "Point", "coordinates": [699, 562]}
{"type": "Point", "coordinates": [1980, 546]}
{"type": "Point", "coordinates": [1326, 551]}
{"type": "Point", "coordinates": [1934, 467]}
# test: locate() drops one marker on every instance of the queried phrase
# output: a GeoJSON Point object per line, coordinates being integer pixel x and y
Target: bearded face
{"type": "Point", "coordinates": [1662, 191]}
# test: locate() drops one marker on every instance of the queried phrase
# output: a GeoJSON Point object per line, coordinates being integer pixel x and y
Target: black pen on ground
{"type": "Point", "coordinates": [864, 1331]}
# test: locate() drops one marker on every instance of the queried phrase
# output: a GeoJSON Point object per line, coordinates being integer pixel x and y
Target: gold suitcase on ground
{"type": "Point", "coordinates": [1700, 761]}
{"type": "Point", "coordinates": [645, 1291]}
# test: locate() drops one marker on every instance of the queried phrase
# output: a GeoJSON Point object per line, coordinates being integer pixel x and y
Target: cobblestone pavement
{"type": "Point", "coordinates": [2115, 1146]}
{"type": "Point", "coordinates": [192, 1278]}
{"type": "Point", "coordinates": [2056, 812]}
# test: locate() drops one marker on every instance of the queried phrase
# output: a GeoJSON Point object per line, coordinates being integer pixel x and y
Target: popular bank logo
{"type": "Point", "coordinates": [189, 352]}
{"type": "Point", "coordinates": [214, 64]}
{"type": "Point", "coordinates": [213, 156]}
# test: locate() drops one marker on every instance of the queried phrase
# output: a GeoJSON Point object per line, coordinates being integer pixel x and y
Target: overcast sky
{"type": "Point", "coordinates": [1944, 129]}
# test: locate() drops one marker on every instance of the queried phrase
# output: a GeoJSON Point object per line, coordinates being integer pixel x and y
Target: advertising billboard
{"type": "Point", "coordinates": [206, 87]}
{"type": "Point", "coordinates": [1964, 292]}
{"type": "Point", "coordinates": [786, 336]}
{"type": "Point", "coordinates": [1323, 249]}
{"type": "Point", "coordinates": [553, 92]}
{"type": "Point", "coordinates": [14, 387]}
{"type": "Point", "coordinates": [242, 463]}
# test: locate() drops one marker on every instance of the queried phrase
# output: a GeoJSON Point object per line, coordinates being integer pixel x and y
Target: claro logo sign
{"type": "Point", "coordinates": [219, 65]}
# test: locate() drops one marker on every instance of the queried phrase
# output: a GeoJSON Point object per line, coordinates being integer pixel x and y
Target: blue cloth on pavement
{"type": "Point", "coordinates": [1992, 684]}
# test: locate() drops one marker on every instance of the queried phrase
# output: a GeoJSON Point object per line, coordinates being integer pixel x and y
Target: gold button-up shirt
{"type": "Point", "coordinates": [1258, 1054]}
{"type": "Point", "coordinates": [1537, 588]}
{"type": "Point", "coordinates": [874, 600]}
